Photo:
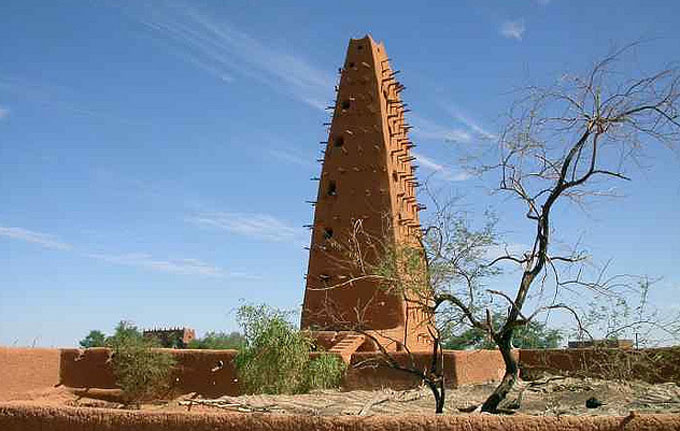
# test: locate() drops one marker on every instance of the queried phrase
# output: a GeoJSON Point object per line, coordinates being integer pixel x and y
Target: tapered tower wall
{"type": "Point", "coordinates": [367, 177]}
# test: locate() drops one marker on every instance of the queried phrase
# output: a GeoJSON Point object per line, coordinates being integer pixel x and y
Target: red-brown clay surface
{"type": "Point", "coordinates": [24, 370]}
{"type": "Point", "coordinates": [460, 368]}
{"type": "Point", "coordinates": [209, 373]}
{"type": "Point", "coordinates": [27, 370]}
{"type": "Point", "coordinates": [18, 417]}
{"type": "Point", "coordinates": [199, 370]}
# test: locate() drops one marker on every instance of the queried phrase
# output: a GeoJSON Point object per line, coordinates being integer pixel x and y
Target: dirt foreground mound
{"type": "Point", "coordinates": [21, 417]}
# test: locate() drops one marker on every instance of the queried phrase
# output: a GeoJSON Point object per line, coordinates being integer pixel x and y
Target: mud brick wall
{"type": "Point", "coordinates": [477, 366]}
{"type": "Point", "coordinates": [208, 372]}
{"type": "Point", "coordinates": [32, 418]}
{"type": "Point", "coordinates": [460, 368]}
{"type": "Point", "coordinates": [25, 370]}
{"type": "Point", "coordinates": [650, 365]}
{"type": "Point", "coordinates": [211, 373]}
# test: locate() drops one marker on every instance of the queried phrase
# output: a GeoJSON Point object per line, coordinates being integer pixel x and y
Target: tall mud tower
{"type": "Point", "coordinates": [368, 178]}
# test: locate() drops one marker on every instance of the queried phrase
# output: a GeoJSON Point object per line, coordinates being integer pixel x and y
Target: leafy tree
{"type": "Point", "coordinates": [535, 335]}
{"type": "Point", "coordinates": [218, 340]}
{"type": "Point", "coordinates": [324, 372]}
{"type": "Point", "coordinates": [94, 339]}
{"type": "Point", "coordinates": [125, 330]}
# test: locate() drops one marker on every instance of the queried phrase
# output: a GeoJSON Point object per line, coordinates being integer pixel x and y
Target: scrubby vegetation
{"type": "Point", "coordinates": [275, 356]}
{"type": "Point", "coordinates": [141, 371]}
{"type": "Point", "coordinates": [324, 372]}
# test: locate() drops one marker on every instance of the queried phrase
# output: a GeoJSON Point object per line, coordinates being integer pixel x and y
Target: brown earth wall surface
{"type": "Point", "coordinates": [650, 365]}
{"type": "Point", "coordinates": [460, 368]}
{"type": "Point", "coordinates": [26, 370]}
{"type": "Point", "coordinates": [17, 417]}
{"type": "Point", "coordinates": [477, 366]}
{"type": "Point", "coordinates": [210, 373]}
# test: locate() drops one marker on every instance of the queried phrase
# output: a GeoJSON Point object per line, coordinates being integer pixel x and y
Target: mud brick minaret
{"type": "Point", "coordinates": [367, 175]}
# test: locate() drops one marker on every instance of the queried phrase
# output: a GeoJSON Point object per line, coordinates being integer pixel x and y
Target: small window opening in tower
{"type": "Point", "coordinates": [360, 47]}
{"type": "Point", "coordinates": [332, 188]}
{"type": "Point", "coordinates": [395, 177]}
{"type": "Point", "coordinates": [324, 277]}
{"type": "Point", "coordinates": [351, 64]}
{"type": "Point", "coordinates": [327, 233]}
{"type": "Point", "coordinates": [339, 141]}
{"type": "Point", "coordinates": [345, 104]}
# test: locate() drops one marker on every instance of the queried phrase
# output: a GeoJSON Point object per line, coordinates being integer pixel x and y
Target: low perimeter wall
{"type": "Point", "coordinates": [211, 373]}
{"type": "Point", "coordinates": [650, 365]}
{"type": "Point", "coordinates": [460, 368]}
{"type": "Point", "coordinates": [27, 370]}
{"type": "Point", "coordinates": [30, 418]}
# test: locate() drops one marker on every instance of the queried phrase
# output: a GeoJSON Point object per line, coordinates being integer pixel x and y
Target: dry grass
{"type": "Point", "coordinates": [549, 396]}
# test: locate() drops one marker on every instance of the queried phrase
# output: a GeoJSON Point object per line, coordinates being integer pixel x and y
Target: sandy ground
{"type": "Point", "coordinates": [549, 396]}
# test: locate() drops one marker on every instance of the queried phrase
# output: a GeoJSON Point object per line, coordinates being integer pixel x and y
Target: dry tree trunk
{"type": "Point", "coordinates": [509, 379]}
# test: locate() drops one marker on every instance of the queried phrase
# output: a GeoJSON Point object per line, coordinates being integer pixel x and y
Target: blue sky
{"type": "Point", "coordinates": [155, 156]}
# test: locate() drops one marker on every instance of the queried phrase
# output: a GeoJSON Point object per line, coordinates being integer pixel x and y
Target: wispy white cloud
{"type": "Point", "coordinates": [444, 172]}
{"type": "Point", "coordinates": [427, 129]}
{"type": "Point", "coordinates": [175, 266]}
{"type": "Point", "coordinates": [513, 29]}
{"type": "Point", "coordinates": [290, 157]}
{"type": "Point", "coordinates": [462, 130]}
{"type": "Point", "coordinates": [4, 112]}
{"type": "Point", "coordinates": [476, 128]}
{"type": "Point", "coordinates": [221, 49]}
{"type": "Point", "coordinates": [55, 97]}
{"type": "Point", "coordinates": [42, 239]}
{"type": "Point", "coordinates": [261, 226]}
{"type": "Point", "coordinates": [187, 266]}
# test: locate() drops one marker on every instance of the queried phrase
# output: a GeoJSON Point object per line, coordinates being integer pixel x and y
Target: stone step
{"type": "Point", "coordinates": [347, 346]}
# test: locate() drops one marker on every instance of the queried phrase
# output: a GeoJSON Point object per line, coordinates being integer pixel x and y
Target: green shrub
{"type": "Point", "coordinates": [274, 357]}
{"type": "Point", "coordinates": [324, 372]}
{"type": "Point", "coordinates": [141, 371]}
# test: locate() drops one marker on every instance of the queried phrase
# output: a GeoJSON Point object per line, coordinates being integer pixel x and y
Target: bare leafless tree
{"type": "Point", "coordinates": [565, 144]}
